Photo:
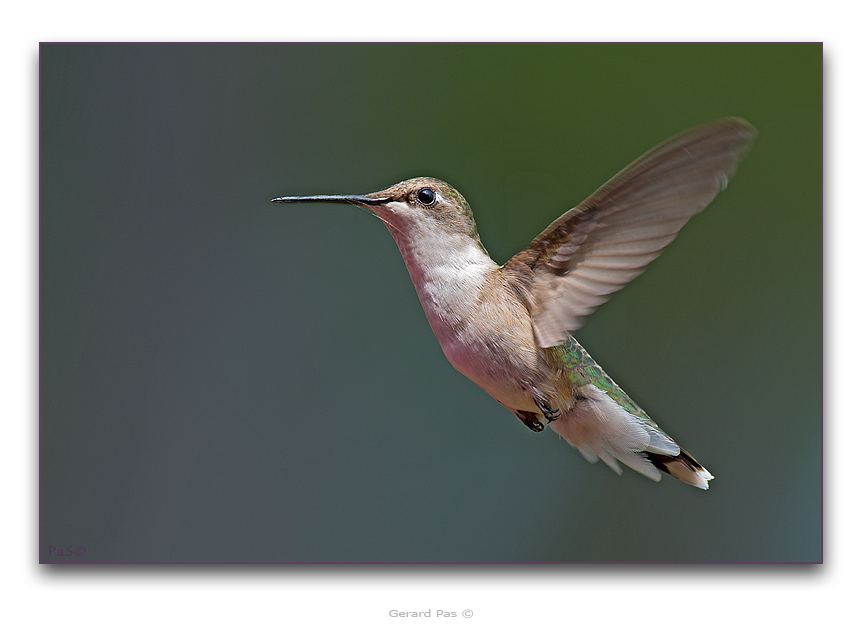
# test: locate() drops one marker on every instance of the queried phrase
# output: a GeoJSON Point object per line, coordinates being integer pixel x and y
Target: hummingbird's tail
{"type": "Point", "coordinates": [682, 466]}
{"type": "Point", "coordinates": [601, 429]}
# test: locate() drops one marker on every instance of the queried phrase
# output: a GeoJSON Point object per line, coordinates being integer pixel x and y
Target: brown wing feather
{"type": "Point", "coordinates": [607, 240]}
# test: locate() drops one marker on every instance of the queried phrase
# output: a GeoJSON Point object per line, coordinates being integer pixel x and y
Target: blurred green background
{"type": "Point", "coordinates": [223, 379]}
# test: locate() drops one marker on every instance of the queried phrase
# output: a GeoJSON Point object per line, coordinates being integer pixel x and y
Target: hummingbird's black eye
{"type": "Point", "coordinates": [426, 196]}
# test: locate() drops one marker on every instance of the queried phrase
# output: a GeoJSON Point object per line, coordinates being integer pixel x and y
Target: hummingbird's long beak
{"type": "Point", "coordinates": [365, 200]}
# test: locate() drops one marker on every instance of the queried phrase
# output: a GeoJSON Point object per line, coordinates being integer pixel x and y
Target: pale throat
{"type": "Point", "coordinates": [449, 272]}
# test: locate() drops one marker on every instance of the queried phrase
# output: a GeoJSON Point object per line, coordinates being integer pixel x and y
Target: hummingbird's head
{"type": "Point", "coordinates": [415, 209]}
{"type": "Point", "coordinates": [425, 203]}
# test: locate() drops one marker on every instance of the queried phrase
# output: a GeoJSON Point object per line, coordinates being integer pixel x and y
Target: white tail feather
{"type": "Point", "coordinates": [601, 429]}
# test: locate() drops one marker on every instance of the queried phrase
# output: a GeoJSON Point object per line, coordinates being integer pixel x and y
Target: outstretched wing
{"type": "Point", "coordinates": [600, 245]}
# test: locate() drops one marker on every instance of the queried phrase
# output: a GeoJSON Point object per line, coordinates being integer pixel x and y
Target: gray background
{"type": "Point", "coordinates": [223, 379]}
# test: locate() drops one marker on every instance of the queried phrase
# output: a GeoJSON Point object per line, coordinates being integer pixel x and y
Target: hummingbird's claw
{"type": "Point", "coordinates": [542, 402]}
{"type": "Point", "coordinates": [549, 413]}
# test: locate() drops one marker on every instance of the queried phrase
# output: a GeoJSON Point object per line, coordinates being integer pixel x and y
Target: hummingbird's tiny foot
{"type": "Point", "coordinates": [549, 413]}
{"type": "Point", "coordinates": [531, 421]}
{"type": "Point", "coordinates": [542, 402]}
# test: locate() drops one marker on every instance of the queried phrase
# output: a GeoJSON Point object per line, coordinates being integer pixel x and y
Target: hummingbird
{"type": "Point", "coordinates": [508, 328]}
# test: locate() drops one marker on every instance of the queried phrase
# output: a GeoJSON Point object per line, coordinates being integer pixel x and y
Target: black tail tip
{"type": "Point", "coordinates": [682, 466]}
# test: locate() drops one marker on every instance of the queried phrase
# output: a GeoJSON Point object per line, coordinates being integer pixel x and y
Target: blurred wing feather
{"type": "Point", "coordinates": [600, 245]}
